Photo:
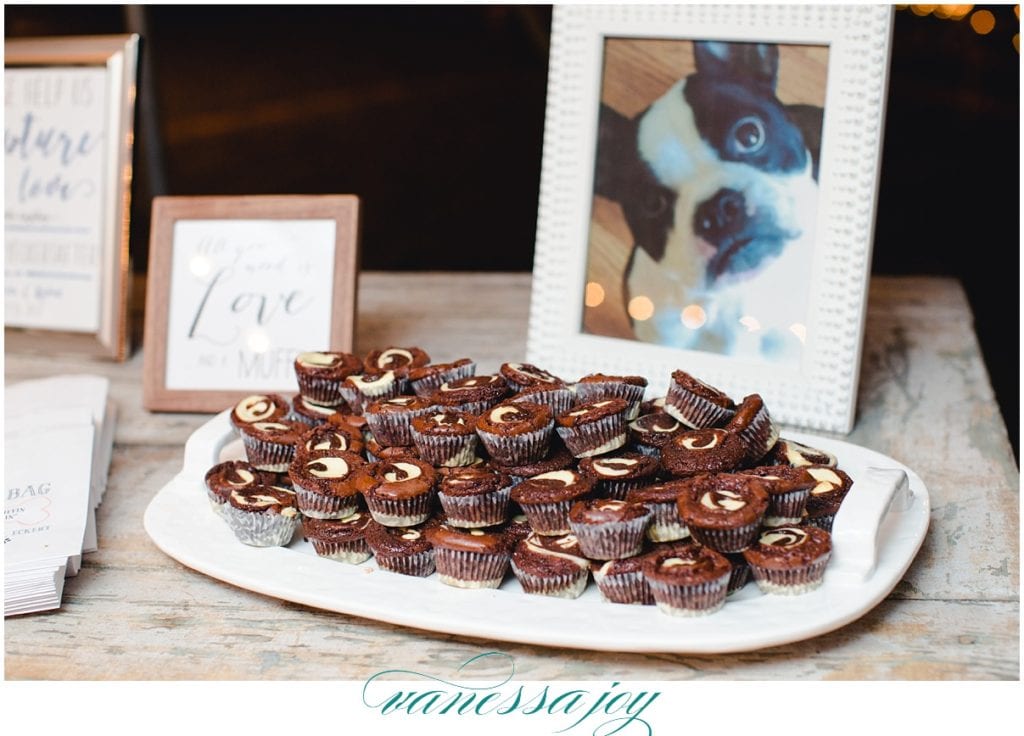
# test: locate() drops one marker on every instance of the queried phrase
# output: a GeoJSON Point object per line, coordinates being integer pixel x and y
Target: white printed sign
{"type": "Point", "coordinates": [54, 204]}
{"type": "Point", "coordinates": [246, 296]}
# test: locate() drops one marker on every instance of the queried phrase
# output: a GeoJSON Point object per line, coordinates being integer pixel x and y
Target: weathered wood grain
{"type": "Point", "coordinates": [134, 613]}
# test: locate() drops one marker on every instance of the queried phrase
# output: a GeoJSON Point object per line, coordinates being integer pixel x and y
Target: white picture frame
{"type": "Point", "coordinates": [817, 388]}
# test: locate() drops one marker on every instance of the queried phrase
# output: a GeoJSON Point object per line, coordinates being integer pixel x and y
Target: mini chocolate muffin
{"type": "Point", "coordinates": [617, 474]}
{"type": "Point", "coordinates": [262, 516]}
{"type": "Point", "coordinates": [687, 580]}
{"type": "Point", "coordinates": [558, 458]}
{"type": "Point", "coordinates": [473, 395]}
{"type": "Point", "coordinates": [755, 428]}
{"type": "Point", "coordinates": [697, 451]}
{"type": "Point", "coordinates": [271, 445]}
{"type": "Point", "coordinates": [343, 539]}
{"type": "Point", "coordinates": [332, 437]}
{"type": "Point", "coordinates": [649, 433]}
{"type": "Point", "coordinates": [547, 498]}
{"type": "Point", "coordinates": [233, 475]}
{"type": "Point", "coordinates": [258, 408]}
{"type": "Point", "coordinates": [516, 433]}
{"type": "Point", "coordinates": [375, 452]}
{"type": "Point", "coordinates": [305, 411]}
{"type": "Point", "coordinates": [557, 397]}
{"type": "Point", "coordinates": [653, 406]}
{"type": "Point", "coordinates": [471, 558]}
{"type": "Point", "coordinates": [524, 375]}
{"type": "Point", "coordinates": [598, 386]}
{"type": "Point", "coordinates": [827, 495]}
{"type": "Point", "coordinates": [662, 500]}
{"type": "Point", "coordinates": [323, 483]}
{"type": "Point", "coordinates": [424, 380]}
{"type": "Point", "coordinates": [390, 420]}
{"type": "Point", "coordinates": [475, 497]}
{"type": "Point", "coordinates": [592, 429]}
{"type": "Point", "coordinates": [446, 438]}
{"type": "Point", "coordinates": [553, 566]}
{"type": "Point", "coordinates": [788, 489]}
{"type": "Point", "coordinates": [399, 492]}
{"type": "Point", "coordinates": [623, 581]}
{"type": "Point", "coordinates": [609, 529]}
{"type": "Point", "coordinates": [320, 375]}
{"type": "Point", "coordinates": [789, 560]}
{"type": "Point", "coordinates": [364, 389]}
{"type": "Point", "coordinates": [399, 360]}
{"type": "Point", "coordinates": [788, 452]}
{"type": "Point", "coordinates": [723, 510]}
{"type": "Point", "coordinates": [402, 550]}
{"type": "Point", "coordinates": [695, 403]}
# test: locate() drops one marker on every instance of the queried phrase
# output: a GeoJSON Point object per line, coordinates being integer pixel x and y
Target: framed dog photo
{"type": "Point", "coordinates": [69, 111]}
{"type": "Point", "coordinates": [237, 287]}
{"type": "Point", "coordinates": [707, 198]}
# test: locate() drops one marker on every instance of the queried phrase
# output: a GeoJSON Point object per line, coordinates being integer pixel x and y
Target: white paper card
{"type": "Point", "coordinates": [245, 297]}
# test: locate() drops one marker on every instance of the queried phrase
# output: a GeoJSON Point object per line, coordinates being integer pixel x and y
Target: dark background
{"type": "Point", "coordinates": [435, 116]}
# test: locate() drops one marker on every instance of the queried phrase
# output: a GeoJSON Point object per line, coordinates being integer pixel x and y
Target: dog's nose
{"type": "Point", "coordinates": [720, 217]}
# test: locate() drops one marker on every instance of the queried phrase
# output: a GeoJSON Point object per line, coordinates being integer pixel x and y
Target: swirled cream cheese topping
{"type": "Point", "coordinates": [271, 426]}
{"type": "Point", "coordinates": [788, 536]}
{"type": "Point", "coordinates": [254, 408]}
{"type": "Point", "coordinates": [722, 499]}
{"type": "Point", "coordinates": [614, 466]}
{"type": "Point", "coordinates": [394, 356]}
{"type": "Point", "coordinates": [796, 455]}
{"type": "Point", "coordinates": [328, 467]}
{"type": "Point", "coordinates": [410, 534]}
{"type": "Point", "coordinates": [316, 360]}
{"type": "Point", "coordinates": [584, 410]}
{"type": "Point", "coordinates": [352, 518]}
{"type": "Point", "coordinates": [244, 478]}
{"type": "Point", "coordinates": [331, 441]}
{"type": "Point", "coordinates": [677, 562]}
{"type": "Point", "coordinates": [365, 383]}
{"type": "Point", "coordinates": [447, 418]}
{"type": "Point", "coordinates": [565, 477]}
{"type": "Point", "coordinates": [536, 544]}
{"type": "Point", "coordinates": [498, 414]}
{"type": "Point", "coordinates": [325, 410]}
{"type": "Point", "coordinates": [828, 481]}
{"type": "Point", "coordinates": [533, 372]}
{"type": "Point", "coordinates": [402, 471]}
{"type": "Point", "coordinates": [693, 443]}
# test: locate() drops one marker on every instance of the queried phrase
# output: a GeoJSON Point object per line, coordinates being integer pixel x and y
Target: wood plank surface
{"type": "Point", "coordinates": [135, 614]}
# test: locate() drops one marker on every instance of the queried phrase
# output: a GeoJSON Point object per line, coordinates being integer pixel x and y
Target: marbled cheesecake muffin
{"type": "Point", "coordinates": [341, 539]}
{"type": "Point", "coordinates": [788, 489]}
{"type": "Point", "coordinates": [616, 474]}
{"type": "Point", "coordinates": [649, 433]}
{"type": "Point", "coordinates": [552, 566]}
{"type": "Point", "coordinates": [399, 360]}
{"type": "Point", "coordinates": [258, 408]}
{"type": "Point", "coordinates": [399, 492]}
{"type": "Point", "coordinates": [695, 403]}
{"type": "Point", "coordinates": [723, 510]}
{"type": "Point", "coordinates": [662, 499]}
{"type": "Point", "coordinates": [323, 483]}
{"type": "Point", "coordinates": [330, 436]}
{"type": "Point", "coordinates": [469, 558]}
{"type": "Point", "coordinates": [262, 516]}
{"type": "Point", "coordinates": [830, 489]}
{"type": "Point", "coordinates": [402, 550]}
{"type": "Point", "coordinates": [609, 529]}
{"type": "Point", "coordinates": [755, 428]}
{"type": "Point", "coordinates": [596, 428]}
{"type": "Point", "coordinates": [445, 438]}
{"type": "Point", "coordinates": [475, 496]}
{"type": "Point", "coordinates": [697, 451]}
{"type": "Point", "coordinates": [598, 386]}
{"type": "Point", "coordinates": [232, 475]}
{"type": "Point", "coordinates": [789, 452]}
{"type": "Point", "coordinates": [271, 445]}
{"type": "Point", "coordinates": [622, 581]}
{"type": "Point", "coordinates": [390, 420]}
{"type": "Point", "coordinates": [320, 375]}
{"type": "Point", "coordinates": [424, 380]}
{"type": "Point", "coordinates": [789, 560]}
{"type": "Point", "coordinates": [473, 395]}
{"type": "Point", "coordinates": [557, 397]}
{"type": "Point", "coordinates": [524, 375]}
{"type": "Point", "coordinates": [516, 433]}
{"type": "Point", "coordinates": [687, 580]}
{"type": "Point", "coordinates": [358, 391]}
{"type": "Point", "coordinates": [305, 411]}
{"type": "Point", "coordinates": [557, 458]}
{"type": "Point", "coordinates": [547, 498]}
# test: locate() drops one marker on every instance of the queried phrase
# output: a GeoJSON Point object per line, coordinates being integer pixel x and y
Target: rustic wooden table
{"type": "Point", "coordinates": [925, 399]}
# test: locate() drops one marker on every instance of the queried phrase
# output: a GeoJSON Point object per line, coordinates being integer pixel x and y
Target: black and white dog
{"type": "Point", "coordinates": [717, 181]}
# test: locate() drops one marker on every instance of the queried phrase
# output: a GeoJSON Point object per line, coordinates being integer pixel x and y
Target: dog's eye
{"type": "Point", "coordinates": [654, 203]}
{"type": "Point", "coordinates": [748, 134]}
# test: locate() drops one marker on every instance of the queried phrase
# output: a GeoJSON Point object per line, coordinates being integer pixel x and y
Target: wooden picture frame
{"type": "Point", "coordinates": [70, 112]}
{"type": "Point", "coordinates": [237, 286]}
{"type": "Point", "coordinates": [594, 243]}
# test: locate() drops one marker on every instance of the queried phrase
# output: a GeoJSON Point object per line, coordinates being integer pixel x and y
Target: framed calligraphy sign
{"type": "Point", "coordinates": [69, 107]}
{"type": "Point", "coordinates": [237, 287]}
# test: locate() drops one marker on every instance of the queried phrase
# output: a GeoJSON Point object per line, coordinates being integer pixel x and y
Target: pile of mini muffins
{"type": "Point", "coordinates": [676, 501]}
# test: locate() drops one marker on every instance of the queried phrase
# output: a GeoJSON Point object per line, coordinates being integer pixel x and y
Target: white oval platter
{"type": "Point", "coordinates": [876, 535]}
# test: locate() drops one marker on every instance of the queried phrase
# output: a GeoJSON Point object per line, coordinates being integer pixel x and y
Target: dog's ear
{"type": "Point", "coordinates": [615, 132]}
{"type": "Point", "coordinates": [809, 118]}
{"type": "Point", "coordinates": [758, 62]}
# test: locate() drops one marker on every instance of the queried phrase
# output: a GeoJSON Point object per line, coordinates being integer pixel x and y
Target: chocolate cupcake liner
{"type": "Point", "coordinates": [759, 436]}
{"type": "Point", "coordinates": [217, 503]}
{"type": "Point", "coordinates": [786, 508]}
{"type": "Point", "coordinates": [595, 438]}
{"type": "Point", "coordinates": [791, 582]}
{"type": "Point", "coordinates": [354, 551]}
{"type": "Point", "coordinates": [266, 529]}
{"type": "Point", "coordinates": [727, 540]}
{"type": "Point", "coordinates": [392, 429]}
{"type": "Point", "coordinates": [463, 569]}
{"type": "Point", "coordinates": [666, 526]}
{"type": "Point", "coordinates": [518, 449]}
{"type": "Point", "coordinates": [324, 505]}
{"type": "Point", "coordinates": [823, 521]}
{"type": "Point", "coordinates": [699, 599]}
{"type": "Point", "coordinates": [739, 576]}
{"type": "Point", "coordinates": [272, 456]}
{"type": "Point", "coordinates": [630, 588]}
{"type": "Point", "coordinates": [446, 451]}
{"type": "Point", "coordinates": [618, 489]}
{"type": "Point", "coordinates": [476, 511]}
{"type": "Point", "coordinates": [590, 391]}
{"type": "Point", "coordinates": [401, 511]}
{"type": "Point", "coordinates": [557, 586]}
{"type": "Point", "coordinates": [549, 519]}
{"type": "Point", "coordinates": [320, 391]}
{"type": "Point", "coordinates": [559, 398]}
{"type": "Point", "coordinates": [695, 411]}
{"type": "Point", "coordinates": [612, 541]}
{"type": "Point", "coordinates": [425, 387]}
{"type": "Point", "coordinates": [419, 565]}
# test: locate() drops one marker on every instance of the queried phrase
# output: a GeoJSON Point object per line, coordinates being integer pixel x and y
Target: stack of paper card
{"type": "Point", "coordinates": [58, 439]}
